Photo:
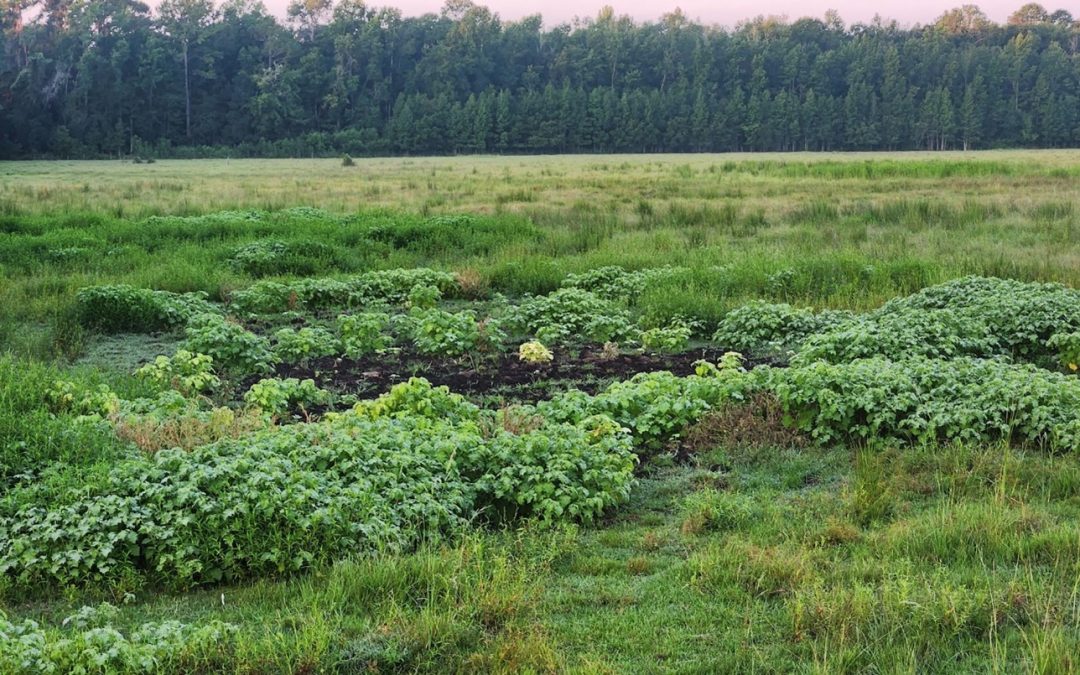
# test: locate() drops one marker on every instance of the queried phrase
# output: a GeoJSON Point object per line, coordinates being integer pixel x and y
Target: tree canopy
{"type": "Point", "coordinates": [88, 78]}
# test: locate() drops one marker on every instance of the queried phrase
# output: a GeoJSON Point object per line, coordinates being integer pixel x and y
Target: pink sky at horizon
{"type": "Point", "coordinates": [728, 13]}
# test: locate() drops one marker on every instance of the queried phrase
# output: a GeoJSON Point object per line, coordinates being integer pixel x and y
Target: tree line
{"type": "Point", "coordinates": [90, 78]}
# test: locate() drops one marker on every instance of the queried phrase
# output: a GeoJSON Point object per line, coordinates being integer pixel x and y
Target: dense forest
{"type": "Point", "coordinates": [82, 78]}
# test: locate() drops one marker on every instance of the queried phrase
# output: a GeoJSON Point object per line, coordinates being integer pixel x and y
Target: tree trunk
{"type": "Point", "coordinates": [187, 94]}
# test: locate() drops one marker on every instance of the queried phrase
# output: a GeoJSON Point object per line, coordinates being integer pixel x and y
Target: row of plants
{"type": "Point", "coordinates": [969, 317]}
{"type": "Point", "coordinates": [92, 644]}
{"type": "Point", "coordinates": [422, 462]}
{"type": "Point", "coordinates": [416, 464]}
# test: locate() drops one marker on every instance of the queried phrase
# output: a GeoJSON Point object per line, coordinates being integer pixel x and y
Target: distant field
{"type": "Point", "coordinates": [208, 417]}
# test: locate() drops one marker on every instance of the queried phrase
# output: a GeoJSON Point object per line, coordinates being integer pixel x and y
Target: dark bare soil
{"type": "Point", "coordinates": [499, 376]}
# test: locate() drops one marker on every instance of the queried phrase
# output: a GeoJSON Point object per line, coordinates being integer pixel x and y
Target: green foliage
{"type": "Point", "coordinates": [761, 326]}
{"type": "Point", "coordinates": [186, 372]}
{"type": "Point", "coordinates": [424, 297]}
{"type": "Point", "coordinates": [563, 472]}
{"type": "Point", "coordinates": [298, 346]}
{"type": "Point", "coordinates": [655, 407]}
{"type": "Point", "coordinates": [535, 352]}
{"type": "Point", "coordinates": [616, 283]}
{"type": "Point", "coordinates": [67, 397]}
{"type": "Point", "coordinates": [276, 397]}
{"type": "Point", "coordinates": [453, 334]}
{"type": "Point", "coordinates": [918, 399]}
{"type": "Point", "coordinates": [1067, 346]}
{"type": "Point", "coordinates": [670, 339]}
{"type": "Point", "coordinates": [269, 503]}
{"type": "Point", "coordinates": [229, 344]}
{"type": "Point", "coordinates": [570, 315]}
{"type": "Point", "coordinates": [94, 645]}
{"type": "Point", "coordinates": [265, 258]}
{"type": "Point", "coordinates": [1022, 316]}
{"type": "Point", "coordinates": [417, 398]}
{"type": "Point", "coordinates": [712, 510]}
{"type": "Point", "coordinates": [35, 437]}
{"type": "Point", "coordinates": [364, 333]}
{"type": "Point", "coordinates": [414, 464]}
{"type": "Point", "coordinates": [901, 333]}
{"type": "Point", "coordinates": [123, 308]}
{"type": "Point", "coordinates": [380, 287]}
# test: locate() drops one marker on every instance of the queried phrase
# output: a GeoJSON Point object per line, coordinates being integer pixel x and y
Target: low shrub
{"type": "Point", "coordinates": [298, 346]}
{"type": "Point", "coordinates": [572, 315]}
{"type": "Point", "coordinates": [186, 372]}
{"type": "Point", "coordinates": [364, 333]}
{"type": "Point", "coordinates": [762, 326]}
{"type": "Point", "coordinates": [411, 466]}
{"type": "Point", "coordinates": [122, 308]}
{"type": "Point", "coordinates": [230, 345]}
{"type": "Point", "coordinates": [275, 397]}
{"type": "Point", "coordinates": [93, 645]}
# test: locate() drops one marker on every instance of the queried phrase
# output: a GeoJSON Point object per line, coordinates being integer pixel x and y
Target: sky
{"type": "Point", "coordinates": [724, 12]}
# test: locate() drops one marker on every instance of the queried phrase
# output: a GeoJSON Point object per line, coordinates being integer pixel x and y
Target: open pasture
{"type": "Point", "coordinates": [707, 413]}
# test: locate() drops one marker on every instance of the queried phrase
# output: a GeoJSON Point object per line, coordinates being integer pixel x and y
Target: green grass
{"type": "Point", "coordinates": [839, 559]}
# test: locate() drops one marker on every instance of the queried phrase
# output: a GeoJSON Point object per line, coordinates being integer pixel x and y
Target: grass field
{"type": "Point", "coordinates": [885, 482]}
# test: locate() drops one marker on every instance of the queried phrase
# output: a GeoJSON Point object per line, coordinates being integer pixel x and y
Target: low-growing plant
{"type": "Point", "coordinates": [898, 334]}
{"type": "Point", "coordinates": [93, 645]}
{"type": "Point", "coordinates": [918, 399]}
{"type": "Point", "coordinates": [761, 326]}
{"type": "Point", "coordinates": [1067, 346]}
{"type": "Point", "coordinates": [274, 257]}
{"type": "Point", "coordinates": [572, 315]}
{"type": "Point", "coordinates": [453, 334]}
{"type": "Point", "coordinates": [186, 372]}
{"type": "Point", "coordinates": [535, 352]}
{"type": "Point", "coordinates": [275, 397]}
{"type": "Point", "coordinates": [298, 346]}
{"type": "Point", "coordinates": [417, 398]}
{"type": "Point", "coordinates": [670, 339]}
{"type": "Point", "coordinates": [616, 283]}
{"type": "Point", "coordinates": [423, 296]}
{"type": "Point", "coordinates": [123, 308]}
{"type": "Point", "coordinates": [230, 345]}
{"type": "Point", "coordinates": [364, 333]}
{"type": "Point", "coordinates": [67, 397]}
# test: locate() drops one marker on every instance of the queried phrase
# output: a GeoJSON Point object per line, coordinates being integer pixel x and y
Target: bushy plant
{"type": "Point", "coordinates": [453, 334]}
{"type": "Point", "coordinates": [412, 466]}
{"type": "Point", "coordinates": [616, 283]}
{"type": "Point", "coordinates": [230, 345]}
{"type": "Point", "coordinates": [571, 315]}
{"type": "Point", "coordinates": [1022, 316]}
{"type": "Point", "coordinates": [918, 399]}
{"type": "Point", "coordinates": [379, 287]}
{"type": "Point", "coordinates": [417, 398]}
{"type": "Point", "coordinates": [898, 334]}
{"type": "Point", "coordinates": [424, 296]}
{"type": "Point", "coordinates": [670, 339]}
{"type": "Point", "coordinates": [364, 333]}
{"type": "Point", "coordinates": [1067, 346]}
{"type": "Point", "coordinates": [186, 372]}
{"type": "Point", "coordinates": [762, 326]}
{"type": "Point", "coordinates": [535, 352]}
{"type": "Point", "coordinates": [123, 308]}
{"type": "Point", "coordinates": [274, 257]}
{"type": "Point", "coordinates": [560, 472]}
{"type": "Point", "coordinates": [655, 407]}
{"type": "Point", "coordinates": [94, 645]}
{"type": "Point", "coordinates": [275, 397]}
{"type": "Point", "coordinates": [297, 346]}
{"type": "Point", "coordinates": [67, 397]}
